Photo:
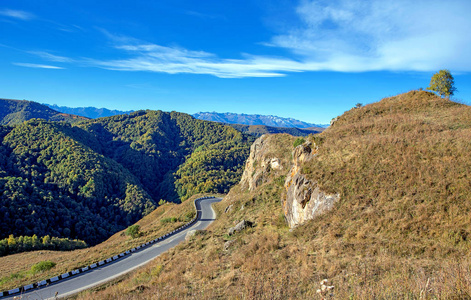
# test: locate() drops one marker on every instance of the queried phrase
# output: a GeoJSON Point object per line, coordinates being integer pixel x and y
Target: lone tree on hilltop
{"type": "Point", "coordinates": [443, 83]}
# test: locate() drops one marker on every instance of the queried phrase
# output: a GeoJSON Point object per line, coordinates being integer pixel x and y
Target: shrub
{"type": "Point", "coordinates": [187, 217]}
{"type": "Point", "coordinates": [169, 220]}
{"type": "Point", "coordinates": [298, 141]}
{"type": "Point", "coordinates": [133, 231]}
{"type": "Point", "coordinates": [42, 266]}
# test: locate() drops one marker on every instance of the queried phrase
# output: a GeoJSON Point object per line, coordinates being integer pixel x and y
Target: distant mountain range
{"type": "Point", "coordinates": [89, 112]}
{"type": "Point", "coordinates": [244, 119]}
{"type": "Point", "coordinates": [228, 118]}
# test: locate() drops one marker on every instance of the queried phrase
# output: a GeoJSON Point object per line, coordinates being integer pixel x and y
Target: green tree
{"type": "Point", "coordinates": [11, 241]}
{"type": "Point", "coordinates": [46, 241]}
{"type": "Point", "coordinates": [35, 241]}
{"type": "Point", "coordinates": [443, 83]}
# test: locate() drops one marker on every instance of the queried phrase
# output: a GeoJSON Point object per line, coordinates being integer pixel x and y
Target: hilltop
{"type": "Point", "coordinates": [17, 111]}
{"type": "Point", "coordinates": [390, 186]}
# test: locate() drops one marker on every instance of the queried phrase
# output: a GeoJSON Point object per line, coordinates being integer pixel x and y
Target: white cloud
{"type": "Point", "coordinates": [17, 14]}
{"type": "Point", "coordinates": [353, 35]}
{"type": "Point", "coordinates": [28, 65]}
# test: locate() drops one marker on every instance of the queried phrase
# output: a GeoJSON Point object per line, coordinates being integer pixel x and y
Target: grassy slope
{"type": "Point", "coordinates": [400, 230]}
{"type": "Point", "coordinates": [14, 268]}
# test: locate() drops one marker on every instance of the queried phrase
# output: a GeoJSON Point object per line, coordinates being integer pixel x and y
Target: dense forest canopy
{"type": "Point", "coordinates": [91, 179]}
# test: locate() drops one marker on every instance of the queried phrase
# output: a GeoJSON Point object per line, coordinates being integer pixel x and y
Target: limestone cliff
{"type": "Point", "coordinates": [270, 157]}
{"type": "Point", "coordinates": [304, 200]}
{"type": "Point", "coordinates": [262, 161]}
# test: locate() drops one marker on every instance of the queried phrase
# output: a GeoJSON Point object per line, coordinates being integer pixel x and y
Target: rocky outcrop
{"type": "Point", "coordinates": [270, 158]}
{"type": "Point", "coordinates": [259, 164]}
{"type": "Point", "coordinates": [239, 227]}
{"type": "Point", "coordinates": [304, 200]}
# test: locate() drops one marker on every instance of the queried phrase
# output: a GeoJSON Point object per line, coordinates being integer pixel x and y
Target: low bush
{"type": "Point", "coordinates": [42, 266]}
{"type": "Point", "coordinates": [298, 141]}
{"type": "Point", "coordinates": [134, 231]}
{"type": "Point", "coordinates": [169, 220]}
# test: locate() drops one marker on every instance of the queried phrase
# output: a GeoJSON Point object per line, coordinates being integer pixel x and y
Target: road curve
{"type": "Point", "coordinates": [100, 275]}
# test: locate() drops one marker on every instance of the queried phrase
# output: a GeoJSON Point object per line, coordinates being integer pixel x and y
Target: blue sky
{"type": "Point", "coordinates": [309, 60]}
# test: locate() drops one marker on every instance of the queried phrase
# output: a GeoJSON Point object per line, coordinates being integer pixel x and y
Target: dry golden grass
{"type": "Point", "coordinates": [14, 268]}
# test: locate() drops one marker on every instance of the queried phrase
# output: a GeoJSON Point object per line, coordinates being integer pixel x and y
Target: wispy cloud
{"type": "Point", "coordinates": [16, 14]}
{"type": "Point", "coordinates": [331, 35]}
{"type": "Point", "coordinates": [51, 57]}
{"type": "Point", "coordinates": [28, 65]}
{"type": "Point", "coordinates": [175, 60]}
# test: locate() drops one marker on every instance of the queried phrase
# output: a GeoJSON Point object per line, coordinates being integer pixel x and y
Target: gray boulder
{"type": "Point", "coordinates": [240, 226]}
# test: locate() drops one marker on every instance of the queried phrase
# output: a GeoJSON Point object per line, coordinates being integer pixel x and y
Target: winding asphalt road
{"type": "Point", "coordinates": [105, 273]}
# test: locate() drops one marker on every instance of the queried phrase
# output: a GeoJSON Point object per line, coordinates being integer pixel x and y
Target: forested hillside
{"type": "Point", "coordinates": [52, 184]}
{"type": "Point", "coordinates": [17, 111]}
{"type": "Point", "coordinates": [94, 178]}
{"type": "Point", "coordinates": [153, 145]}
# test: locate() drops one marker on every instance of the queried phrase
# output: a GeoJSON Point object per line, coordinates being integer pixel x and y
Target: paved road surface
{"type": "Point", "coordinates": [102, 274]}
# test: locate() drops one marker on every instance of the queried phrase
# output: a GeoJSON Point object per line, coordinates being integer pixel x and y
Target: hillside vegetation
{"type": "Point", "coordinates": [401, 229]}
{"type": "Point", "coordinates": [89, 180]}
{"type": "Point", "coordinates": [17, 111]}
